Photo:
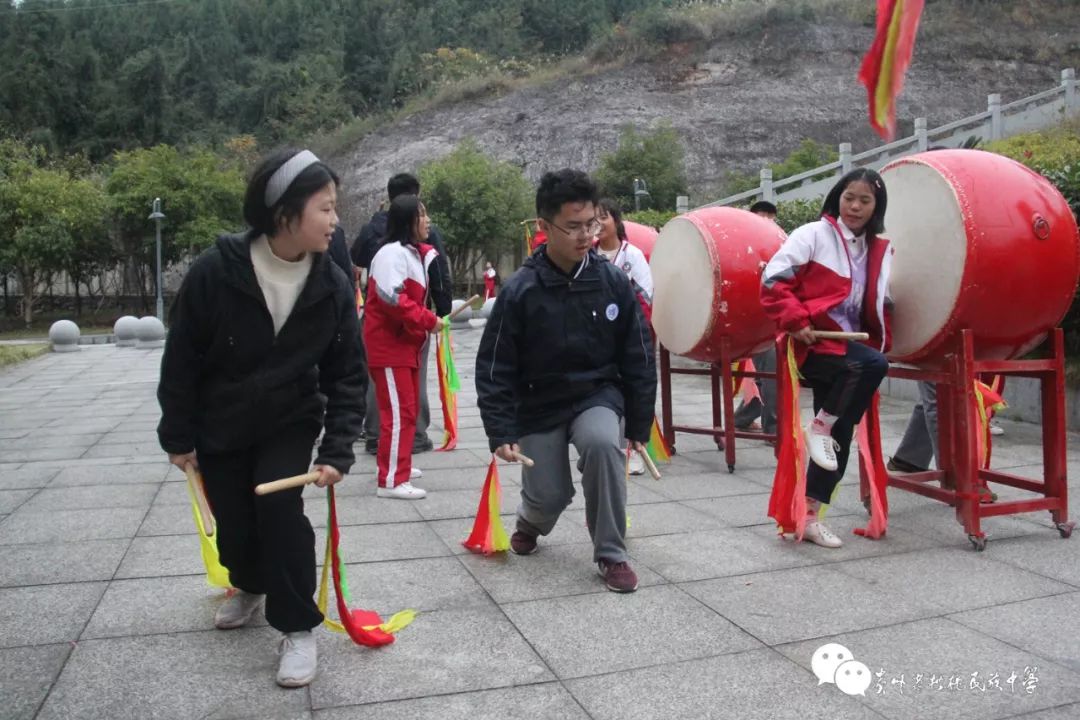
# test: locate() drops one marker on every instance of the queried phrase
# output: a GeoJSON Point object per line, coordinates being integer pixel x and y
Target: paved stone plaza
{"type": "Point", "coordinates": [105, 612]}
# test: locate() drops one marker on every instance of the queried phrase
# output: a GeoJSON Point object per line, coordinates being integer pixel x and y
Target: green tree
{"type": "Point", "coordinates": [655, 156]}
{"type": "Point", "coordinates": [201, 197]}
{"type": "Point", "coordinates": [478, 204]}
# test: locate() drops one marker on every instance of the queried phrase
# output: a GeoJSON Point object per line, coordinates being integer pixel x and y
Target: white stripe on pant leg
{"type": "Point", "coordinates": [395, 427]}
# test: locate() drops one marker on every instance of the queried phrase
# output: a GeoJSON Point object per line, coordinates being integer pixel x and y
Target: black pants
{"type": "Point", "coordinates": [266, 542]}
{"type": "Point", "coordinates": [843, 386]}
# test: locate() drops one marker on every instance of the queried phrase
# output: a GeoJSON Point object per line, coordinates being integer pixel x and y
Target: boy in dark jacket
{"type": "Point", "coordinates": [565, 355]}
{"type": "Point", "coordinates": [440, 293]}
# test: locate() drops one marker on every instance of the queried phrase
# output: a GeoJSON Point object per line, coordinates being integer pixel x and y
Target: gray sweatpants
{"type": "Point", "coordinates": [547, 488]}
{"type": "Point", "coordinates": [920, 443]}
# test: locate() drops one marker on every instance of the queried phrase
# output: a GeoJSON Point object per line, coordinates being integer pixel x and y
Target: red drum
{"type": "Point", "coordinates": [706, 269]}
{"type": "Point", "coordinates": [640, 236]}
{"type": "Point", "coordinates": [982, 243]}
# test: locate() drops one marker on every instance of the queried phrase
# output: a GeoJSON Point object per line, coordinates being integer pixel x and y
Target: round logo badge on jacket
{"type": "Point", "coordinates": [612, 312]}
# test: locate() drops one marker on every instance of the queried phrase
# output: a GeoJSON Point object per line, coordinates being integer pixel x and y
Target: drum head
{"type": "Point", "coordinates": [686, 284]}
{"type": "Point", "coordinates": [925, 224]}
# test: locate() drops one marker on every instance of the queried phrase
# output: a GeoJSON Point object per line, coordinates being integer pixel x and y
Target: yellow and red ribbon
{"type": "Point", "coordinates": [885, 64]}
{"type": "Point", "coordinates": [872, 464]}
{"type": "Point", "coordinates": [216, 573]}
{"type": "Point", "coordinates": [787, 503]}
{"type": "Point", "coordinates": [488, 534]}
{"type": "Point", "coordinates": [657, 446]}
{"type": "Point", "coordinates": [449, 386]}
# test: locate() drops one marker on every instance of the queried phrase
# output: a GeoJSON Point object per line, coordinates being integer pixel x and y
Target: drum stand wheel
{"type": "Point", "coordinates": [1065, 529]}
{"type": "Point", "coordinates": [978, 542]}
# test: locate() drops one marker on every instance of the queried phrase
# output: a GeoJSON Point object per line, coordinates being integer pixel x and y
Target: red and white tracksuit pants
{"type": "Point", "coordinates": [395, 391]}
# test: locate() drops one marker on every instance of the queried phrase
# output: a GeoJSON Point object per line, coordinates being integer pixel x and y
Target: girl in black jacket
{"type": "Point", "coordinates": [263, 355]}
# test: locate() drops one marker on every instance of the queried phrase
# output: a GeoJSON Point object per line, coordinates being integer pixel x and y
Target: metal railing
{"type": "Point", "coordinates": [998, 121]}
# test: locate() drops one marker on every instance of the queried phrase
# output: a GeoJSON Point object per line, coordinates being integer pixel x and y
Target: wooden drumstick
{"type": "Point", "coordinates": [462, 307]}
{"type": "Point", "coordinates": [523, 459]}
{"type": "Point", "coordinates": [838, 335]}
{"type": "Point", "coordinates": [649, 464]}
{"type": "Point", "coordinates": [286, 483]}
{"type": "Point", "coordinates": [200, 499]}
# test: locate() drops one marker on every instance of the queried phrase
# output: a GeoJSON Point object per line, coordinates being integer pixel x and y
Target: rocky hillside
{"type": "Point", "coordinates": [738, 103]}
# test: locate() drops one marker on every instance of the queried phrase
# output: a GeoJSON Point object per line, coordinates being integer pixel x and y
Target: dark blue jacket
{"type": "Point", "coordinates": [558, 344]}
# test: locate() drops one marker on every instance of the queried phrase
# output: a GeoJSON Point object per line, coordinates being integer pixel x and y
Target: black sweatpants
{"type": "Point", "coordinates": [266, 542]}
{"type": "Point", "coordinates": [843, 386]}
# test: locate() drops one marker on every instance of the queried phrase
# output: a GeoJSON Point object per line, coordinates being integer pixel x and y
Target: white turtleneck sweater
{"type": "Point", "coordinates": [280, 280]}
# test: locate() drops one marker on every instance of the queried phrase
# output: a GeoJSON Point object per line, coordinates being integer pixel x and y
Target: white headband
{"type": "Point", "coordinates": [283, 177]}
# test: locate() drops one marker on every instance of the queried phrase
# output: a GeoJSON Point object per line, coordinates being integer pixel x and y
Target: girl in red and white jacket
{"type": "Point", "coordinates": [396, 324]}
{"type": "Point", "coordinates": [833, 274]}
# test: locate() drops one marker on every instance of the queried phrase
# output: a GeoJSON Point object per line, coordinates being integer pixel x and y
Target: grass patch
{"type": "Point", "coordinates": [12, 354]}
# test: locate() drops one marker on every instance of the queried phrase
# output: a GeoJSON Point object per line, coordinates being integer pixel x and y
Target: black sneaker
{"type": "Point", "coordinates": [895, 464]}
{"type": "Point", "coordinates": [422, 444]}
{"type": "Point", "coordinates": [522, 543]}
{"type": "Point", "coordinates": [371, 447]}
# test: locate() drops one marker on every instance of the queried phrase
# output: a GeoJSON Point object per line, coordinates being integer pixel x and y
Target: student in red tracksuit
{"type": "Point", "coordinates": [396, 324]}
{"type": "Point", "coordinates": [833, 274]}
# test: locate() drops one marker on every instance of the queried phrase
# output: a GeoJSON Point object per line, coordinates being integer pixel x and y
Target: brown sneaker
{"type": "Point", "coordinates": [618, 576]}
{"type": "Point", "coordinates": [897, 465]}
{"type": "Point", "coordinates": [522, 543]}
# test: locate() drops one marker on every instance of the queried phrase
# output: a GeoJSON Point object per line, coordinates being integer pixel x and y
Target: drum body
{"type": "Point", "coordinates": [641, 236]}
{"type": "Point", "coordinates": [981, 243]}
{"type": "Point", "coordinates": [706, 269]}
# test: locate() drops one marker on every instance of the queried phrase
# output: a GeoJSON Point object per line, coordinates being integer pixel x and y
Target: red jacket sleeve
{"type": "Point", "coordinates": [781, 277]}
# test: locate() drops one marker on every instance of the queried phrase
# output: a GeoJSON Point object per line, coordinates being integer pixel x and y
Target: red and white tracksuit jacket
{"type": "Point", "coordinates": [811, 274]}
{"type": "Point", "coordinates": [396, 325]}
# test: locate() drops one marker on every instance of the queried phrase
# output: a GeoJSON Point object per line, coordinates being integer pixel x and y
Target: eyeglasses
{"type": "Point", "coordinates": [587, 230]}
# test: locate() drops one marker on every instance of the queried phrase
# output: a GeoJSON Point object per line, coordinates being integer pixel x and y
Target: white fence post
{"type": "Point", "coordinates": [920, 134]}
{"type": "Point", "coordinates": [993, 104]}
{"type": "Point", "coordinates": [845, 158]}
{"type": "Point", "coordinates": [682, 203]}
{"type": "Point", "coordinates": [1068, 80]}
{"type": "Point", "coordinates": [766, 185]}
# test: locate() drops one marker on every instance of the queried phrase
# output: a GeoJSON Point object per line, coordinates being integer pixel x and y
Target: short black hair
{"type": "Point", "coordinates": [402, 184]}
{"type": "Point", "coordinates": [876, 224]}
{"type": "Point", "coordinates": [612, 208]}
{"type": "Point", "coordinates": [401, 218]}
{"type": "Point", "coordinates": [561, 187]}
{"type": "Point", "coordinates": [290, 206]}
{"type": "Point", "coordinates": [763, 206]}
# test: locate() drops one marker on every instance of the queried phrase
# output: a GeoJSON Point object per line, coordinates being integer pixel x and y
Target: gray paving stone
{"type": "Point", "coordinates": [211, 674]}
{"type": "Point", "coordinates": [739, 510]}
{"type": "Point", "coordinates": [65, 452]}
{"type": "Point", "coordinates": [44, 614]}
{"type": "Point", "coordinates": [425, 584]}
{"type": "Point", "coordinates": [665, 519]}
{"type": "Point", "coordinates": [167, 520]}
{"type": "Point", "coordinates": [700, 485]}
{"type": "Point", "coordinates": [607, 632]}
{"type": "Point", "coordinates": [146, 449]}
{"type": "Point", "coordinates": [1044, 553]}
{"type": "Point", "coordinates": [28, 674]}
{"type": "Point", "coordinates": [29, 526]}
{"type": "Point", "coordinates": [458, 650]}
{"type": "Point", "coordinates": [546, 701]}
{"type": "Point", "coordinates": [110, 474]}
{"type": "Point", "coordinates": [951, 579]}
{"type": "Point", "coordinates": [801, 603]}
{"type": "Point", "coordinates": [375, 543]}
{"type": "Point", "coordinates": [1061, 712]}
{"type": "Point", "coordinates": [363, 510]}
{"type": "Point", "coordinates": [10, 500]}
{"type": "Point", "coordinates": [162, 556]}
{"type": "Point", "coordinates": [711, 554]}
{"type": "Point", "coordinates": [41, 440]}
{"type": "Point", "coordinates": [554, 571]}
{"type": "Point", "coordinates": [945, 648]}
{"type": "Point", "coordinates": [458, 503]}
{"type": "Point", "coordinates": [23, 478]}
{"type": "Point", "coordinates": [755, 685]}
{"type": "Point", "coordinates": [1046, 626]}
{"type": "Point", "coordinates": [60, 562]}
{"type": "Point", "coordinates": [93, 496]}
{"type": "Point", "coordinates": [172, 493]}
{"type": "Point", "coordinates": [152, 606]}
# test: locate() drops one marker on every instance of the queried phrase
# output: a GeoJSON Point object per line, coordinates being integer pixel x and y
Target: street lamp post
{"type": "Point", "coordinates": [640, 190]}
{"type": "Point", "coordinates": [157, 216]}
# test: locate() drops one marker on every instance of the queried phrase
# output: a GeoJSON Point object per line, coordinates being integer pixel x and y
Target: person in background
{"type": "Point", "coordinates": [263, 356]}
{"type": "Point", "coordinates": [491, 278]}
{"type": "Point", "coordinates": [833, 274]}
{"type": "Point", "coordinates": [440, 293]}
{"type": "Point", "coordinates": [613, 245]}
{"type": "Point", "coordinates": [764, 406]}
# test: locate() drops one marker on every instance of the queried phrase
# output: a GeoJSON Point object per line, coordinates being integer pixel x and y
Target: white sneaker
{"type": "Point", "coordinates": [237, 610]}
{"type": "Point", "coordinates": [820, 445]}
{"type": "Point", "coordinates": [299, 659]}
{"type": "Point", "coordinates": [415, 473]}
{"type": "Point", "coordinates": [996, 429]}
{"type": "Point", "coordinates": [637, 465]}
{"type": "Point", "coordinates": [818, 533]}
{"type": "Point", "coordinates": [404, 491]}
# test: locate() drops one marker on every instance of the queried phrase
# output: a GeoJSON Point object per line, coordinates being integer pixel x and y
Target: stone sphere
{"type": "Point", "coordinates": [64, 336]}
{"type": "Point", "coordinates": [464, 316]}
{"type": "Point", "coordinates": [126, 331]}
{"type": "Point", "coordinates": [150, 332]}
{"type": "Point", "coordinates": [489, 305]}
